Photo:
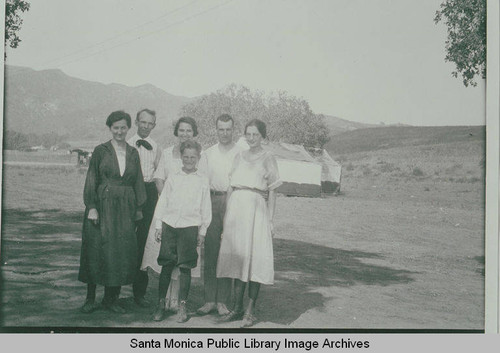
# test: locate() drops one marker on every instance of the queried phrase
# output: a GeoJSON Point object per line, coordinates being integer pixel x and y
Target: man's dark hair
{"type": "Point", "coordinates": [225, 118]}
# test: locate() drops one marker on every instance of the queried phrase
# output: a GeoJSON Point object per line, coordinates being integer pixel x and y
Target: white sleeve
{"type": "Point", "coordinates": [158, 158]}
{"type": "Point", "coordinates": [161, 205]}
{"type": "Point", "coordinates": [206, 209]}
{"type": "Point", "coordinates": [203, 164]}
{"type": "Point", "coordinates": [161, 170]}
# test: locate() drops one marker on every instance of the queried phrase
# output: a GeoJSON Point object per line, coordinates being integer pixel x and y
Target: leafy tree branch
{"type": "Point", "coordinates": [466, 42]}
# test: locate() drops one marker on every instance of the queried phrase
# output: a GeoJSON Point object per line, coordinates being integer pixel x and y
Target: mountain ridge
{"type": "Point", "coordinates": [42, 101]}
{"type": "Point", "coordinates": [52, 101]}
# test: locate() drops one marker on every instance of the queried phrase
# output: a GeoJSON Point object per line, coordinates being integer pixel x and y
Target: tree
{"type": "Point", "coordinates": [15, 141]}
{"type": "Point", "coordinates": [466, 42]}
{"type": "Point", "coordinates": [13, 21]}
{"type": "Point", "coordinates": [288, 118]}
{"type": "Point", "coordinates": [292, 120]}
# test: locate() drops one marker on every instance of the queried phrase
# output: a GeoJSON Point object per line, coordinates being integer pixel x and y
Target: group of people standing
{"type": "Point", "coordinates": [159, 209]}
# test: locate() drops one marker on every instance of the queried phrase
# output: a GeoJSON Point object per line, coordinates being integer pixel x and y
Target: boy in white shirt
{"type": "Point", "coordinates": [183, 214]}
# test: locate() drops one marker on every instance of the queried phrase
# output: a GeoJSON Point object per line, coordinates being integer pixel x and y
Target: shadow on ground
{"type": "Point", "coordinates": [40, 259]}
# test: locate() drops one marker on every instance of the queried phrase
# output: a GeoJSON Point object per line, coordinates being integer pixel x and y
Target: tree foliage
{"type": "Point", "coordinates": [15, 141]}
{"type": "Point", "coordinates": [288, 118]}
{"type": "Point", "coordinates": [466, 42]}
{"type": "Point", "coordinates": [13, 21]}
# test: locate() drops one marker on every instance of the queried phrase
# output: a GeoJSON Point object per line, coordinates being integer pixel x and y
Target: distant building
{"type": "Point", "coordinates": [38, 148]}
{"type": "Point", "coordinates": [83, 157]}
{"type": "Point", "coordinates": [60, 146]}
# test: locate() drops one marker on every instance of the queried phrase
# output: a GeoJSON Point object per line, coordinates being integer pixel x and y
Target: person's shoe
{"type": "Point", "coordinates": [89, 306]}
{"type": "Point", "coordinates": [182, 315]}
{"type": "Point", "coordinates": [232, 316]}
{"type": "Point", "coordinates": [142, 302]}
{"type": "Point", "coordinates": [114, 307]}
{"type": "Point", "coordinates": [248, 320]}
{"type": "Point", "coordinates": [222, 309]}
{"type": "Point", "coordinates": [206, 309]}
{"type": "Point", "coordinates": [160, 311]}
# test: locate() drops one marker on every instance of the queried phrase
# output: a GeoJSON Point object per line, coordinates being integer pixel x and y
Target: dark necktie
{"type": "Point", "coordinates": [144, 143]}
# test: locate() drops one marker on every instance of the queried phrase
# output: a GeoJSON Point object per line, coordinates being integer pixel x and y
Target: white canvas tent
{"type": "Point", "coordinates": [331, 173]}
{"type": "Point", "coordinates": [301, 173]}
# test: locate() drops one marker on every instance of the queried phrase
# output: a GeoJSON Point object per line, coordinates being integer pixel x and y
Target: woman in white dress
{"type": "Point", "coordinates": [246, 251]}
{"type": "Point", "coordinates": [170, 162]}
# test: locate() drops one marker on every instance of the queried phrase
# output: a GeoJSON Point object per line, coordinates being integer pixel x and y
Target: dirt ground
{"type": "Point", "coordinates": [384, 254]}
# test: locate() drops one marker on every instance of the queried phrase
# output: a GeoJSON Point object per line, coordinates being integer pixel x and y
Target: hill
{"type": "Point", "coordinates": [338, 125]}
{"type": "Point", "coordinates": [388, 155]}
{"type": "Point", "coordinates": [380, 138]}
{"type": "Point", "coordinates": [51, 101]}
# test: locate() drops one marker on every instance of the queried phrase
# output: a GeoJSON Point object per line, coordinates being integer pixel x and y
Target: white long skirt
{"type": "Point", "coordinates": [246, 251]}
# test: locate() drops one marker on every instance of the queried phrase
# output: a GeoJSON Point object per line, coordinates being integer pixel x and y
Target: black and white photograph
{"type": "Point", "coordinates": [244, 165]}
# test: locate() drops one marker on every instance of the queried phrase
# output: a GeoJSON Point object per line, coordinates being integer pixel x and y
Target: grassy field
{"type": "Point", "coordinates": [402, 246]}
{"type": "Point", "coordinates": [40, 156]}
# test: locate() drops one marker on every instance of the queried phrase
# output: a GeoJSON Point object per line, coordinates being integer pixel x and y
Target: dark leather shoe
{"type": "Point", "coordinates": [232, 316]}
{"type": "Point", "coordinates": [142, 302]}
{"type": "Point", "coordinates": [89, 306]}
{"type": "Point", "coordinates": [115, 308]}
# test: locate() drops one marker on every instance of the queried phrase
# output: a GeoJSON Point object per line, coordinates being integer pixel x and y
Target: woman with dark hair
{"type": "Point", "coordinates": [246, 250]}
{"type": "Point", "coordinates": [113, 195]}
{"type": "Point", "coordinates": [185, 129]}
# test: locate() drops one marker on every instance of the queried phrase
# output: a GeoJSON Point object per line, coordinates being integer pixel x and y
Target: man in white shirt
{"type": "Point", "coordinates": [216, 163]}
{"type": "Point", "coordinates": [149, 155]}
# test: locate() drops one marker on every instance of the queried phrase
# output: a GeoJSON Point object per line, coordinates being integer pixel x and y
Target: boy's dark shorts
{"type": "Point", "coordinates": [178, 246]}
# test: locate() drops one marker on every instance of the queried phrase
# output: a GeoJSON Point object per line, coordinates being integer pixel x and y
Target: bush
{"type": "Point", "coordinates": [417, 172]}
{"type": "Point", "coordinates": [349, 167]}
{"type": "Point", "coordinates": [387, 167]}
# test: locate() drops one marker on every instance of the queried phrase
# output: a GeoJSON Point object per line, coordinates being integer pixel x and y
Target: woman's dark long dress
{"type": "Point", "coordinates": [109, 249]}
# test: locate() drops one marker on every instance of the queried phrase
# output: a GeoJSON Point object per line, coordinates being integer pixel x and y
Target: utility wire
{"type": "Point", "coordinates": [148, 33]}
{"type": "Point", "coordinates": [117, 36]}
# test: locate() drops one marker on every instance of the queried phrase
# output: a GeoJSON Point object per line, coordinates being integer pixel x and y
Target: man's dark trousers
{"type": "Point", "coordinates": [216, 289]}
{"type": "Point", "coordinates": [141, 279]}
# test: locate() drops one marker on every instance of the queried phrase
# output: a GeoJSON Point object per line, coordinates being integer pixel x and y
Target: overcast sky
{"type": "Point", "coordinates": [362, 60]}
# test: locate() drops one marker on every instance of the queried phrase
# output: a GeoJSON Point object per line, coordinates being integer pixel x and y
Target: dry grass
{"type": "Point", "coordinates": [455, 162]}
{"type": "Point", "coordinates": [40, 156]}
{"type": "Point", "coordinates": [381, 138]}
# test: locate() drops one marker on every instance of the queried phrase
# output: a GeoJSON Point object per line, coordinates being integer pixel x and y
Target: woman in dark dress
{"type": "Point", "coordinates": [113, 195]}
